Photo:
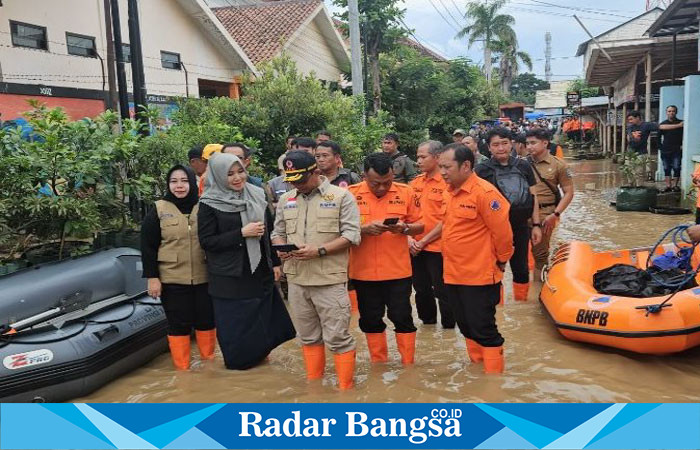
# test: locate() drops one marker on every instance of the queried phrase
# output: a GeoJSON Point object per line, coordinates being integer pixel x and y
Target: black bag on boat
{"type": "Point", "coordinates": [631, 281]}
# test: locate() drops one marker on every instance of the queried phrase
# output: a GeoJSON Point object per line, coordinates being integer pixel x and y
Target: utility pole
{"type": "Point", "coordinates": [548, 56]}
{"type": "Point", "coordinates": [355, 48]}
{"type": "Point", "coordinates": [121, 73]}
{"type": "Point", "coordinates": [137, 73]}
{"type": "Point", "coordinates": [112, 98]}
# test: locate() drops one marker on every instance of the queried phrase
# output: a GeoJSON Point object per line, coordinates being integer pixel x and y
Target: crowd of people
{"type": "Point", "coordinates": [445, 227]}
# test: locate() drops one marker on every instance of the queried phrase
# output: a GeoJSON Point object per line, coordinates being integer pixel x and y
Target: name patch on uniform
{"type": "Point", "coordinates": [328, 205]}
{"type": "Point", "coordinates": [495, 205]}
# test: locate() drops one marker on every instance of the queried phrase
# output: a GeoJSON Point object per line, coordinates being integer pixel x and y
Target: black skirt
{"type": "Point", "coordinates": [249, 329]}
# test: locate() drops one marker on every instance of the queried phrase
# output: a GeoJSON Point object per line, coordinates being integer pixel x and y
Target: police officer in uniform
{"type": "Point", "coordinates": [553, 176]}
{"type": "Point", "coordinates": [404, 168]}
{"type": "Point", "coordinates": [323, 221]}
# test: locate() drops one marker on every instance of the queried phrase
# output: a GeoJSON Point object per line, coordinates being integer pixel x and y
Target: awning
{"type": "Point", "coordinates": [681, 17]}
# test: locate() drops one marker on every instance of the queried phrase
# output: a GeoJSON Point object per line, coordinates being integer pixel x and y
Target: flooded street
{"type": "Point", "coordinates": [541, 366]}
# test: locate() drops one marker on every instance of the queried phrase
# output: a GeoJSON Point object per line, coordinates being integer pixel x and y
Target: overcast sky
{"type": "Point", "coordinates": [533, 19]}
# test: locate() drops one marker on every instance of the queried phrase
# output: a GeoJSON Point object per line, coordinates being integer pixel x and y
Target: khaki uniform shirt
{"type": "Point", "coordinates": [180, 258]}
{"type": "Point", "coordinates": [557, 173]}
{"type": "Point", "coordinates": [317, 218]}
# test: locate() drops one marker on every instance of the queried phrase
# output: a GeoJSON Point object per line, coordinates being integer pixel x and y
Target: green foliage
{"type": "Point", "coordinates": [430, 100]}
{"type": "Point", "coordinates": [280, 102]}
{"type": "Point", "coordinates": [525, 86]}
{"type": "Point", "coordinates": [582, 86]}
{"type": "Point", "coordinates": [70, 179]}
{"type": "Point", "coordinates": [633, 168]}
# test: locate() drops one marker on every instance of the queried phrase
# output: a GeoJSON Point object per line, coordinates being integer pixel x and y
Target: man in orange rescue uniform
{"type": "Point", "coordinates": [380, 267]}
{"type": "Point", "coordinates": [428, 188]}
{"type": "Point", "coordinates": [477, 242]}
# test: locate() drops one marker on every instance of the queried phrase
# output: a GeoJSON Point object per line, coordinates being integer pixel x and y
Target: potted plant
{"type": "Point", "coordinates": [632, 196]}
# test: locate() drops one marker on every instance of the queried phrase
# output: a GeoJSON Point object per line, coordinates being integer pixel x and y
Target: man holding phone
{"type": "Point", "coordinates": [380, 267]}
{"type": "Point", "coordinates": [322, 221]}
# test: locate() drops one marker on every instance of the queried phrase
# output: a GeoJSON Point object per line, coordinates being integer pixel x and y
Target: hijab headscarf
{"type": "Point", "coordinates": [250, 202]}
{"type": "Point", "coordinates": [186, 203]}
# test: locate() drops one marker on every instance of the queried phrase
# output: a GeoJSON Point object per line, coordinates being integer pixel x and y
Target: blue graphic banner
{"type": "Point", "coordinates": [349, 426]}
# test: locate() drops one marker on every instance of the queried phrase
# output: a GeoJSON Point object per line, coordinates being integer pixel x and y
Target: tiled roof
{"type": "Point", "coordinates": [262, 29]}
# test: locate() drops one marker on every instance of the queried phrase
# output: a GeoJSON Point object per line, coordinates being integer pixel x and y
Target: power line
{"type": "Point", "coordinates": [450, 14]}
{"type": "Point", "coordinates": [443, 17]}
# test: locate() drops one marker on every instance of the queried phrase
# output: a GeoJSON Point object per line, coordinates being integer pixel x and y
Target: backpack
{"type": "Point", "coordinates": [511, 182]}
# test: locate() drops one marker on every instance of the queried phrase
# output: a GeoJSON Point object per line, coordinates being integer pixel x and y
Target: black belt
{"type": "Point", "coordinates": [547, 205]}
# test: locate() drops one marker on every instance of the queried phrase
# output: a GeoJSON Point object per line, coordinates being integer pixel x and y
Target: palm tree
{"type": "Point", "coordinates": [487, 25]}
{"type": "Point", "coordinates": [509, 61]}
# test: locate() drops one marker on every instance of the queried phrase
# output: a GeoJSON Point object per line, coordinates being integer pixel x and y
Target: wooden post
{"type": "Point", "coordinates": [623, 149]}
{"type": "Point", "coordinates": [614, 149]}
{"type": "Point", "coordinates": [647, 102]}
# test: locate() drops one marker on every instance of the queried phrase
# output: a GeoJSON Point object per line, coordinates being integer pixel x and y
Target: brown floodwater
{"type": "Point", "coordinates": [541, 366]}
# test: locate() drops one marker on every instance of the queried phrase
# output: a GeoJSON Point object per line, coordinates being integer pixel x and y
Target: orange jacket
{"type": "Point", "coordinates": [476, 233]}
{"type": "Point", "coordinates": [428, 197]}
{"type": "Point", "coordinates": [383, 257]}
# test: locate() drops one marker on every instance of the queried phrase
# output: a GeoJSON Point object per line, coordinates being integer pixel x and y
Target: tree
{"type": "Point", "coordinates": [426, 99]}
{"type": "Point", "coordinates": [509, 61]}
{"type": "Point", "coordinates": [580, 85]}
{"type": "Point", "coordinates": [489, 26]}
{"type": "Point", "coordinates": [525, 86]}
{"type": "Point", "coordinates": [380, 27]}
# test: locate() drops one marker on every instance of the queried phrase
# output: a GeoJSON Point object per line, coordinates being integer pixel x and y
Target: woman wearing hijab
{"type": "Point", "coordinates": [173, 262]}
{"type": "Point", "coordinates": [234, 231]}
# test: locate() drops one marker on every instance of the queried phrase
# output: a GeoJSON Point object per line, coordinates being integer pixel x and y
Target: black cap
{"type": "Point", "coordinates": [296, 164]}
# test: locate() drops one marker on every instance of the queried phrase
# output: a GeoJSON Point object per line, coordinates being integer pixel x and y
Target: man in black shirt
{"type": "Point", "coordinates": [514, 178]}
{"type": "Point", "coordinates": [671, 130]}
{"type": "Point", "coordinates": [638, 132]}
{"type": "Point", "coordinates": [329, 163]}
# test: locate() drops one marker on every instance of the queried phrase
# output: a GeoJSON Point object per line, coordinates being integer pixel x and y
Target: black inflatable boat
{"type": "Point", "coordinates": [68, 328]}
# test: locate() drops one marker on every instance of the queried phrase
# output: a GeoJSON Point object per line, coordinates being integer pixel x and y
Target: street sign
{"type": "Point", "coordinates": [573, 99]}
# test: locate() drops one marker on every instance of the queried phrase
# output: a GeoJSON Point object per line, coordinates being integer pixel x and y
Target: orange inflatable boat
{"type": "Point", "coordinates": [582, 314]}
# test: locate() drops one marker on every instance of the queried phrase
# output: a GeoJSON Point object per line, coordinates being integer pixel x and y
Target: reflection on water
{"type": "Point", "coordinates": [541, 366]}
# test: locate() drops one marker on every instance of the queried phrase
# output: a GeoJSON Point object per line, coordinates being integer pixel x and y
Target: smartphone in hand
{"type": "Point", "coordinates": [285, 248]}
{"type": "Point", "coordinates": [389, 221]}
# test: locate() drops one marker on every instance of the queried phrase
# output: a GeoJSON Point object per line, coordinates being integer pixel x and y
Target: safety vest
{"type": "Point", "coordinates": [180, 258]}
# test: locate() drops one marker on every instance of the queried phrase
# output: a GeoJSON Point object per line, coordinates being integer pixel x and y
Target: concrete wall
{"type": "Point", "coordinates": [311, 51]}
{"type": "Point", "coordinates": [691, 134]}
{"type": "Point", "coordinates": [164, 26]}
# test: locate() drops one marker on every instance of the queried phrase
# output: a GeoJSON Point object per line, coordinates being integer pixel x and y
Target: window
{"type": "Point", "coordinates": [170, 60]}
{"type": "Point", "coordinates": [26, 35]}
{"type": "Point", "coordinates": [81, 45]}
{"type": "Point", "coordinates": [126, 53]}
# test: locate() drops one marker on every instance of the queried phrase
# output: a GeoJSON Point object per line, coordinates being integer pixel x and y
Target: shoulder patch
{"type": "Point", "coordinates": [495, 205]}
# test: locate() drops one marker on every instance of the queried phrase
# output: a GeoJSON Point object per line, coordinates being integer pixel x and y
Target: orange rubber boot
{"type": "Point", "coordinates": [353, 301]}
{"type": "Point", "coordinates": [180, 351]}
{"type": "Point", "coordinates": [494, 361]}
{"type": "Point", "coordinates": [345, 368]}
{"type": "Point", "coordinates": [520, 291]}
{"type": "Point", "coordinates": [315, 361]}
{"type": "Point", "coordinates": [206, 342]}
{"type": "Point", "coordinates": [406, 342]}
{"type": "Point", "coordinates": [475, 352]}
{"type": "Point", "coordinates": [376, 342]}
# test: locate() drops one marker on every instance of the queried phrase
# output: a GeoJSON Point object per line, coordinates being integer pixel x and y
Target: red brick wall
{"type": "Point", "coordinates": [12, 106]}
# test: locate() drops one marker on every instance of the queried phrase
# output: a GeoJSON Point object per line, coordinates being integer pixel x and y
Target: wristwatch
{"type": "Point", "coordinates": [557, 214]}
{"type": "Point", "coordinates": [406, 228]}
{"type": "Point", "coordinates": [322, 251]}
{"type": "Point", "coordinates": [537, 225]}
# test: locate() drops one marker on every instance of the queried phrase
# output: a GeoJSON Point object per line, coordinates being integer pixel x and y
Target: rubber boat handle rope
{"type": "Point", "coordinates": [679, 234]}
